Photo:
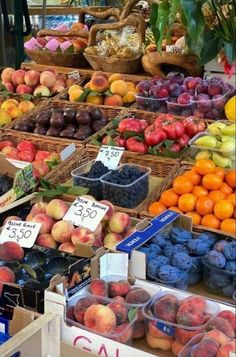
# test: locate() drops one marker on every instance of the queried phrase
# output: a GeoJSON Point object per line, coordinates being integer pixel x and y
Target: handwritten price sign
{"type": "Point", "coordinates": [110, 156]}
{"type": "Point", "coordinates": [23, 233]}
{"type": "Point", "coordinates": [86, 213]}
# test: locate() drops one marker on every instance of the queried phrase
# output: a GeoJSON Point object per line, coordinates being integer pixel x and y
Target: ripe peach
{"type": "Point", "coordinates": [114, 77]}
{"type": "Point", "coordinates": [155, 332]}
{"type": "Point", "coordinates": [114, 100]}
{"type": "Point", "coordinates": [124, 332]}
{"type": "Point", "coordinates": [176, 348]}
{"type": "Point", "coordinates": [161, 343]}
{"type": "Point", "coordinates": [75, 95]}
{"type": "Point", "coordinates": [47, 79]}
{"type": "Point", "coordinates": [6, 276]}
{"type": "Point", "coordinates": [183, 336]}
{"type": "Point", "coordinates": [190, 315]}
{"type": "Point", "coordinates": [119, 87]}
{"type": "Point", "coordinates": [61, 231]}
{"type": "Point", "coordinates": [56, 209]}
{"type": "Point", "coordinates": [139, 330]}
{"type": "Point", "coordinates": [10, 152]}
{"type": "Point", "coordinates": [120, 310]}
{"type": "Point", "coordinates": [206, 348]}
{"type": "Point", "coordinates": [67, 247]}
{"type": "Point", "coordinates": [52, 70]}
{"type": "Point", "coordinates": [57, 88]}
{"type": "Point", "coordinates": [9, 86]}
{"type": "Point", "coordinates": [46, 221]}
{"type": "Point", "coordinates": [42, 91]}
{"type": "Point", "coordinates": [9, 103]}
{"type": "Point", "coordinates": [98, 287]}
{"type": "Point", "coordinates": [46, 240]}
{"type": "Point", "coordinates": [99, 84]}
{"type": "Point", "coordinates": [137, 296]}
{"type": "Point", "coordinates": [39, 207]}
{"type": "Point", "coordinates": [11, 218]}
{"type": "Point", "coordinates": [166, 308]}
{"type": "Point", "coordinates": [129, 97]}
{"type": "Point", "coordinates": [73, 87]}
{"type": "Point", "coordinates": [110, 211]}
{"type": "Point", "coordinates": [224, 351]}
{"type": "Point", "coordinates": [112, 239]}
{"type": "Point", "coordinates": [26, 105]}
{"type": "Point", "coordinates": [81, 306]}
{"type": "Point", "coordinates": [197, 301]}
{"type": "Point", "coordinates": [18, 77]}
{"type": "Point", "coordinates": [32, 77]}
{"type": "Point", "coordinates": [7, 74]}
{"type": "Point", "coordinates": [100, 73]}
{"type": "Point", "coordinates": [218, 336]}
{"type": "Point", "coordinates": [82, 236]}
{"type": "Point", "coordinates": [120, 222]}
{"type": "Point", "coordinates": [100, 318]}
{"type": "Point", "coordinates": [229, 316]}
{"type": "Point", "coordinates": [95, 99]}
{"type": "Point", "coordinates": [118, 288]}
{"type": "Point", "coordinates": [10, 251]}
{"type": "Point", "coordinates": [222, 325]}
{"type": "Point", "coordinates": [15, 112]}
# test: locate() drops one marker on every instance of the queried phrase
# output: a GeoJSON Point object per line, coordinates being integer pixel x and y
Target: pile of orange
{"type": "Point", "coordinates": [206, 193]}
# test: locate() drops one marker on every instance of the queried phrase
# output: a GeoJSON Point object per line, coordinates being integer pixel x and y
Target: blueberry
{"type": "Point", "coordinates": [231, 266]}
{"type": "Point", "coordinates": [180, 235]}
{"type": "Point", "coordinates": [216, 259]}
{"type": "Point", "coordinates": [181, 261]}
{"type": "Point", "coordinates": [209, 238]}
{"type": "Point", "coordinates": [230, 250]}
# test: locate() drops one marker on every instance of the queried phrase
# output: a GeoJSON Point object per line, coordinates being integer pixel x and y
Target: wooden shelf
{"type": "Point", "coordinates": [61, 10]}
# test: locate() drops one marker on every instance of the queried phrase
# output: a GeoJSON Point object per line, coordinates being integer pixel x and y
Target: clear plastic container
{"type": "Point", "coordinates": [183, 110]}
{"type": "Point", "coordinates": [151, 104]}
{"type": "Point", "coordinates": [186, 351]}
{"type": "Point", "coordinates": [168, 331]}
{"type": "Point", "coordinates": [218, 281]}
{"type": "Point", "coordinates": [180, 283]}
{"type": "Point", "coordinates": [94, 184]}
{"type": "Point", "coordinates": [122, 333]}
{"type": "Point", "coordinates": [130, 195]}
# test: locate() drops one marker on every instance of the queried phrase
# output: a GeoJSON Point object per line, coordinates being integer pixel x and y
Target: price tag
{"type": "Point", "coordinates": [23, 233]}
{"type": "Point", "coordinates": [74, 75]}
{"type": "Point", "coordinates": [86, 213]}
{"type": "Point", "coordinates": [67, 152]}
{"type": "Point", "coordinates": [110, 156]}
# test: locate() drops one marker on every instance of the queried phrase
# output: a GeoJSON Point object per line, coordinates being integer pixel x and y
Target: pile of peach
{"type": "Point", "coordinates": [112, 91]}
{"type": "Point", "coordinates": [206, 193]}
{"type": "Point", "coordinates": [60, 234]}
{"type": "Point", "coordinates": [122, 297]}
{"type": "Point", "coordinates": [14, 109]}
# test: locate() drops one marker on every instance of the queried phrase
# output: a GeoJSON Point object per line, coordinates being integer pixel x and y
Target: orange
{"type": "Point", "coordinates": [182, 184]}
{"type": "Point", "coordinates": [193, 176]}
{"type": "Point", "coordinates": [195, 217]}
{"type": "Point", "coordinates": [226, 189]}
{"type": "Point", "coordinates": [216, 195]}
{"type": "Point", "coordinates": [199, 191]}
{"type": "Point", "coordinates": [209, 220]}
{"type": "Point", "coordinates": [223, 209]}
{"type": "Point", "coordinates": [212, 182]}
{"type": "Point", "coordinates": [169, 198]}
{"type": "Point", "coordinates": [156, 208]}
{"type": "Point", "coordinates": [175, 209]}
{"type": "Point", "coordinates": [230, 178]}
{"type": "Point", "coordinates": [204, 205]}
{"type": "Point", "coordinates": [187, 202]}
{"type": "Point", "coordinates": [220, 171]}
{"type": "Point", "coordinates": [232, 198]}
{"type": "Point", "coordinates": [228, 225]}
{"type": "Point", "coordinates": [205, 166]}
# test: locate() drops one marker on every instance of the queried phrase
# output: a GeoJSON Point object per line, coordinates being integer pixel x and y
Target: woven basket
{"type": "Point", "coordinates": [159, 166]}
{"type": "Point", "coordinates": [113, 64]}
{"type": "Point", "coordinates": [20, 98]}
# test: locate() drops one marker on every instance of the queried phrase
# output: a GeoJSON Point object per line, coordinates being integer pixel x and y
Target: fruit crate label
{"type": "Point", "coordinates": [19, 164]}
{"type": "Point", "coordinates": [110, 156]}
{"type": "Point", "coordinates": [86, 213]}
{"type": "Point", "coordinates": [114, 264]}
{"type": "Point", "coordinates": [67, 152]}
{"type": "Point", "coordinates": [138, 238]}
{"type": "Point", "coordinates": [74, 75]}
{"type": "Point", "coordinates": [169, 330]}
{"type": "Point", "coordinates": [21, 232]}
{"type": "Point", "coordinates": [24, 181]}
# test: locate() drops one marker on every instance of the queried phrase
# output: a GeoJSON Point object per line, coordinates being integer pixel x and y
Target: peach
{"type": "Point", "coordinates": [118, 288]}
{"type": "Point", "coordinates": [110, 211]}
{"type": "Point", "coordinates": [32, 77]}
{"type": "Point", "coordinates": [10, 152]}
{"type": "Point", "coordinates": [111, 240]}
{"type": "Point", "coordinates": [229, 316]}
{"type": "Point", "coordinates": [61, 231]}
{"type": "Point", "coordinates": [52, 70]}
{"type": "Point", "coordinates": [10, 251]}
{"type": "Point", "coordinates": [5, 118]}
{"type": "Point", "coordinates": [183, 336]}
{"type": "Point", "coordinates": [95, 99]}
{"type": "Point", "coordinates": [190, 315]}
{"type": "Point", "coordinates": [119, 87]}
{"type": "Point", "coordinates": [42, 91]}
{"type": "Point", "coordinates": [7, 74]}
{"type": "Point", "coordinates": [15, 112]}
{"type": "Point", "coordinates": [18, 77]}
{"type": "Point", "coordinates": [176, 348]}
{"type": "Point", "coordinates": [29, 217]}
{"type": "Point", "coordinates": [99, 73]}
{"type": "Point", "coordinates": [137, 296]}
{"type": "Point", "coordinates": [197, 301]}
{"type": "Point", "coordinates": [24, 89]}
{"type": "Point", "coordinates": [218, 336]}
{"type": "Point", "coordinates": [114, 100]}
{"type": "Point", "coordinates": [99, 84]}
{"type": "Point", "coordinates": [98, 287]}
{"type": "Point", "coordinates": [75, 95]}
{"type": "Point", "coordinates": [82, 236]}
{"type": "Point", "coordinates": [70, 313]}
{"type": "Point", "coordinates": [57, 88]}
{"type": "Point", "coordinates": [155, 332]}
{"type": "Point", "coordinates": [129, 97]}
{"type": "Point", "coordinates": [114, 77]}
{"type": "Point", "coordinates": [222, 325]}
{"type": "Point", "coordinates": [9, 103]}
{"type": "Point", "coordinates": [100, 319]}
{"type": "Point", "coordinates": [39, 207]}
{"type": "Point", "coordinates": [6, 276]}
{"type": "Point", "coordinates": [67, 247]}
{"type": "Point", "coordinates": [11, 218]}
{"type": "Point", "coordinates": [87, 85]}
{"type": "Point", "coordinates": [166, 308]}
{"type": "Point", "coordinates": [56, 209]}
{"type": "Point", "coordinates": [139, 330]}
{"type": "Point", "coordinates": [46, 222]}
{"type": "Point", "coordinates": [46, 240]}
{"type": "Point", "coordinates": [124, 332]}
{"type": "Point", "coordinates": [47, 79]}
{"type": "Point", "coordinates": [120, 222]}
{"type": "Point", "coordinates": [26, 105]}
{"type": "Point", "coordinates": [9, 86]}
{"type": "Point", "coordinates": [161, 343]}
{"type": "Point", "coordinates": [81, 306]}
{"type": "Point", "coordinates": [206, 348]}
{"type": "Point", "coordinates": [120, 310]}
{"type": "Point", "coordinates": [98, 230]}
{"type": "Point", "coordinates": [224, 351]}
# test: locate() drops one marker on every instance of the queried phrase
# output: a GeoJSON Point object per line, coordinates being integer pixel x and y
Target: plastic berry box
{"type": "Point", "coordinates": [151, 104]}
{"type": "Point", "coordinates": [183, 110]}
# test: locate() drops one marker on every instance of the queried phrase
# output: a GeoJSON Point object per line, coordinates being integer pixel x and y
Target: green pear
{"type": "Point", "coordinates": [207, 141]}
{"type": "Point", "coordinates": [225, 138]}
{"type": "Point", "coordinates": [229, 130]}
{"type": "Point", "coordinates": [204, 154]}
{"type": "Point", "coordinates": [221, 161]}
{"type": "Point", "coordinates": [228, 148]}
{"type": "Point", "coordinates": [215, 128]}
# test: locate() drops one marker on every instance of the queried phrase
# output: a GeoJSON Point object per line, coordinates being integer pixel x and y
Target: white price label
{"type": "Point", "coordinates": [67, 152]}
{"type": "Point", "coordinates": [110, 156]}
{"type": "Point", "coordinates": [74, 75]}
{"type": "Point", "coordinates": [232, 354]}
{"type": "Point", "coordinates": [23, 233]}
{"type": "Point", "coordinates": [86, 213]}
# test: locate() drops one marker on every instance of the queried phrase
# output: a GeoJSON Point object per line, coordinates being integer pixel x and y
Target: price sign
{"type": "Point", "coordinates": [74, 75]}
{"type": "Point", "coordinates": [110, 156]}
{"type": "Point", "coordinates": [86, 213]}
{"type": "Point", "coordinates": [23, 233]}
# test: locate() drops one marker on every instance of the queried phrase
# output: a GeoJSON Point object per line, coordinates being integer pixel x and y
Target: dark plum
{"type": "Point", "coordinates": [83, 118]}
{"type": "Point", "coordinates": [97, 125]}
{"type": "Point", "coordinates": [43, 118]}
{"type": "Point", "coordinates": [41, 130]}
{"type": "Point", "coordinates": [69, 115]}
{"type": "Point", "coordinates": [66, 133]}
{"type": "Point", "coordinates": [53, 131]}
{"type": "Point", "coordinates": [57, 120]}
{"type": "Point", "coordinates": [95, 113]}
{"type": "Point", "coordinates": [83, 133]}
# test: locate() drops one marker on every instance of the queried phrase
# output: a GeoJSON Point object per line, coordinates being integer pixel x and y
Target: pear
{"type": "Point", "coordinates": [204, 154]}
{"type": "Point", "coordinates": [225, 138]}
{"type": "Point", "coordinates": [215, 128]}
{"type": "Point", "coordinates": [221, 161]}
{"type": "Point", "coordinates": [229, 130]}
{"type": "Point", "coordinates": [228, 148]}
{"type": "Point", "coordinates": [207, 141]}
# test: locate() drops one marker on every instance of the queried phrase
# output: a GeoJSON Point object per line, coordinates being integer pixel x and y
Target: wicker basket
{"type": "Point", "coordinates": [159, 166]}
{"type": "Point", "coordinates": [113, 64]}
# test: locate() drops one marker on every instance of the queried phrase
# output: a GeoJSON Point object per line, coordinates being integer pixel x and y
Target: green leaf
{"type": "Point", "coordinates": [153, 21]}
{"type": "Point", "coordinates": [77, 191]}
{"type": "Point", "coordinates": [93, 93]}
{"type": "Point", "coordinates": [95, 142]}
{"type": "Point", "coordinates": [211, 47]}
{"type": "Point", "coordinates": [84, 95]}
{"type": "Point", "coordinates": [174, 8]}
{"type": "Point", "coordinates": [29, 270]}
{"type": "Point", "coordinates": [132, 314]}
{"type": "Point", "coordinates": [150, 150]}
{"type": "Point", "coordinates": [129, 134]}
{"type": "Point", "coordinates": [45, 184]}
{"type": "Point", "coordinates": [115, 122]}
{"type": "Point", "coordinates": [27, 96]}
{"type": "Point", "coordinates": [168, 143]}
{"type": "Point", "coordinates": [162, 20]}
{"type": "Point", "coordinates": [108, 93]}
